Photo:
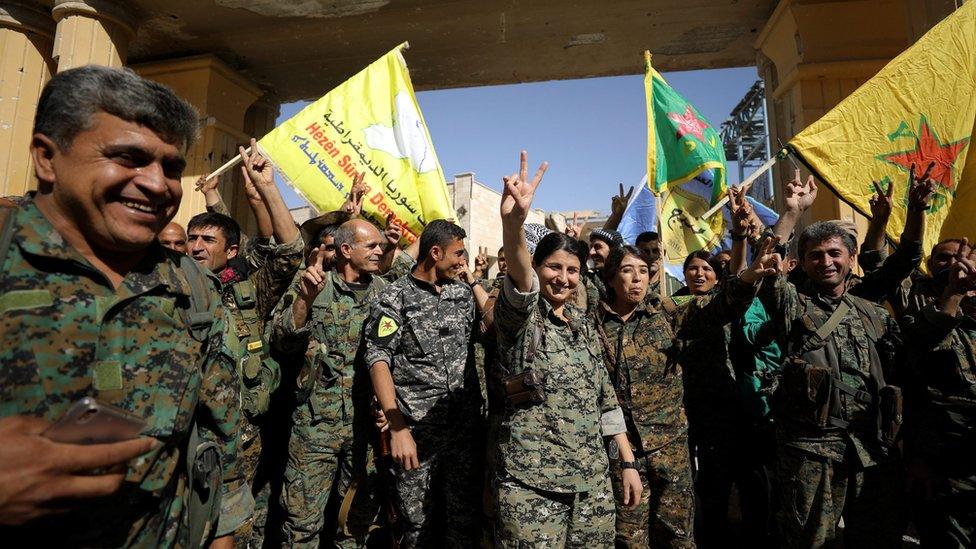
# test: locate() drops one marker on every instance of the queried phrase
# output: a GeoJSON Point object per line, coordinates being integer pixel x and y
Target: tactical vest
{"type": "Point", "coordinates": [342, 332]}
{"type": "Point", "coordinates": [259, 371]}
{"type": "Point", "coordinates": [811, 389]}
{"type": "Point", "coordinates": [202, 459]}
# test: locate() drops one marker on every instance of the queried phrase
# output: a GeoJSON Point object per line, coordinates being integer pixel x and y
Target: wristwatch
{"type": "Point", "coordinates": [628, 465]}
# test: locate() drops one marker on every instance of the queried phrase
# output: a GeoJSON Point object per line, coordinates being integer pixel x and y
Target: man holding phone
{"type": "Point", "coordinates": [92, 306]}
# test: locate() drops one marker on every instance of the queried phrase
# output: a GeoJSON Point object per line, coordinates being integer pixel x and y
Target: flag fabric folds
{"type": "Point", "coordinates": [369, 124]}
{"type": "Point", "coordinates": [685, 167]}
{"type": "Point", "coordinates": [680, 143]}
{"type": "Point", "coordinates": [920, 108]}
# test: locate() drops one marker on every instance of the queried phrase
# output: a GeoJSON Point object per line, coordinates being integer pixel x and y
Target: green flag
{"type": "Point", "coordinates": [680, 143]}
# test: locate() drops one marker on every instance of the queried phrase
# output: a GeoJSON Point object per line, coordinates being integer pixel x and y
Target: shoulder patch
{"type": "Point", "coordinates": [386, 327]}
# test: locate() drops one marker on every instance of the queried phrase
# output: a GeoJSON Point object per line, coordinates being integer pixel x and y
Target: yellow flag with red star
{"type": "Point", "coordinates": [919, 109]}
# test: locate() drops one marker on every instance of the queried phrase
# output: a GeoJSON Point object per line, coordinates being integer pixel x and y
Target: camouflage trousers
{"type": "Point", "coordinates": [251, 533]}
{"type": "Point", "coordinates": [439, 502]}
{"type": "Point", "coordinates": [816, 492]}
{"type": "Point", "coordinates": [666, 512]}
{"type": "Point", "coordinates": [324, 458]}
{"type": "Point", "coordinates": [528, 517]}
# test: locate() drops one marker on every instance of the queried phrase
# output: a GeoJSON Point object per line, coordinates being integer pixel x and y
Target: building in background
{"type": "Point", "coordinates": [477, 208]}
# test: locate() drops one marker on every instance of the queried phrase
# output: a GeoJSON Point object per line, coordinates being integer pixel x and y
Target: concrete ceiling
{"type": "Point", "coordinates": [299, 49]}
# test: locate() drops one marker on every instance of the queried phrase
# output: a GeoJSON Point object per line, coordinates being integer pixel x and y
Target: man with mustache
{"type": "Point", "coordinates": [324, 314]}
{"type": "Point", "coordinates": [832, 450]}
{"type": "Point", "coordinates": [93, 306]}
{"type": "Point", "coordinates": [941, 369]}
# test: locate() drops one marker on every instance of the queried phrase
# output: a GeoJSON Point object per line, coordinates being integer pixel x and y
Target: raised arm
{"type": "Point", "coordinates": [393, 233]}
{"type": "Point", "coordinates": [256, 203]}
{"type": "Point", "coordinates": [919, 193]}
{"type": "Point", "coordinates": [741, 228]}
{"type": "Point", "coordinates": [874, 238]}
{"type": "Point", "coordinates": [516, 201]}
{"type": "Point", "coordinates": [797, 197]}
{"type": "Point", "coordinates": [618, 205]}
{"type": "Point", "coordinates": [261, 174]}
{"type": "Point", "coordinates": [885, 280]}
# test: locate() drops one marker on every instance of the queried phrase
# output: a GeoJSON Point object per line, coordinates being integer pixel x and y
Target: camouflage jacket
{"type": "Point", "coordinates": [859, 351]}
{"type": "Point", "coordinates": [940, 376]}
{"type": "Point", "coordinates": [67, 333]}
{"type": "Point", "coordinates": [651, 345]}
{"type": "Point", "coordinates": [557, 445]}
{"type": "Point", "coordinates": [331, 343]}
{"type": "Point", "coordinates": [423, 334]}
{"type": "Point", "coordinates": [274, 267]}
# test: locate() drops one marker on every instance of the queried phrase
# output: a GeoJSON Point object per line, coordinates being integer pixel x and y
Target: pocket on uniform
{"type": "Point", "coordinates": [412, 344]}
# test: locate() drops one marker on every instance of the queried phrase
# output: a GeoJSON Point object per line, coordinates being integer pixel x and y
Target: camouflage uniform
{"type": "Point", "coordinates": [840, 470]}
{"type": "Point", "coordinates": [250, 303]}
{"type": "Point", "coordinates": [423, 334]}
{"type": "Point", "coordinates": [68, 334]}
{"type": "Point", "coordinates": [650, 390]}
{"type": "Point", "coordinates": [332, 422]}
{"type": "Point", "coordinates": [941, 415]}
{"type": "Point", "coordinates": [552, 484]}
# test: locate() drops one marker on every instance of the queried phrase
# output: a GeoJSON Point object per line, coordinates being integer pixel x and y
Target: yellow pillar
{"type": "Point", "coordinates": [814, 53]}
{"type": "Point", "coordinates": [223, 98]}
{"type": "Point", "coordinates": [26, 36]}
{"type": "Point", "coordinates": [94, 32]}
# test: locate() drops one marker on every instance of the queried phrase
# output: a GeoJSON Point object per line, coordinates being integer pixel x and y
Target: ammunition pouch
{"type": "Point", "coordinates": [890, 414]}
{"type": "Point", "coordinates": [523, 389]}
{"type": "Point", "coordinates": [307, 378]}
{"type": "Point", "coordinates": [805, 393]}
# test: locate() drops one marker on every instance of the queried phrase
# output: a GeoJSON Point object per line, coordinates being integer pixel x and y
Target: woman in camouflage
{"type": "Point", "coordinates": [551, 484]}
{"type": "Point", "coordinates": [644, 338]}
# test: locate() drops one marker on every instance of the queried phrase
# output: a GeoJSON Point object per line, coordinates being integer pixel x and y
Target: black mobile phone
{"type": "Point", "coordinates": [89, 421]}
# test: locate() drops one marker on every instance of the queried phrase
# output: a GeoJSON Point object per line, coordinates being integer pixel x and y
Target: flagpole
{"type": "Point", "coordinates": [227, 165]}
{"type": "Point", "coordinates": [661, 272]}
{"type": "Point", "coordinates": [744, 185]}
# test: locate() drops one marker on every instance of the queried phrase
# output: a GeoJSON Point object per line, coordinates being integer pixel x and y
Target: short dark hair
{"type": "Point", "coordinates": [647, 236]}
{"type": "Point", "coordinates": [439, 232]}
{"type": "Point", "coordinates": [822, 231]}
{"type": "Point", "coordinates": [703, 255]}
{"type": "Point", "coordinates": [327, 230]}
{"type": "Point", "coordinates": [612, 264]}
{"type": "Point", "coordinates": [946, 241]}
{"type": "Point", "coordinates": [230, 229]}
{"type": "Point", "coordinates": [72, 97]}
{"type": "Point", "coordinates": [554, 242]}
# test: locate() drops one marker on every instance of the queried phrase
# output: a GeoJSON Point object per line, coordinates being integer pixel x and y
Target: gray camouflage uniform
{"type": "Point", "coordinates": [423, 334]}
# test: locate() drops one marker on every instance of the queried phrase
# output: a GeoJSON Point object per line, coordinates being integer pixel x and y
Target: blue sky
{"type": "Point", "coordinates": [593, 132]}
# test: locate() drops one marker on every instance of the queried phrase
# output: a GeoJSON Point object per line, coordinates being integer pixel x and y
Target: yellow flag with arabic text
{"type": "Point", "coordinates": [920, 108]}
{"type": "Point", "coordinates": [369, 124]}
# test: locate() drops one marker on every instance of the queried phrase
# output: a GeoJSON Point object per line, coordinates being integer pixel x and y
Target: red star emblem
{"type": "Point", "coordinates": [387, 325]}
{"type": "Point", "coordinates": [689, 123]}
{"type": "Point", "coordinates": [929, 148]}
